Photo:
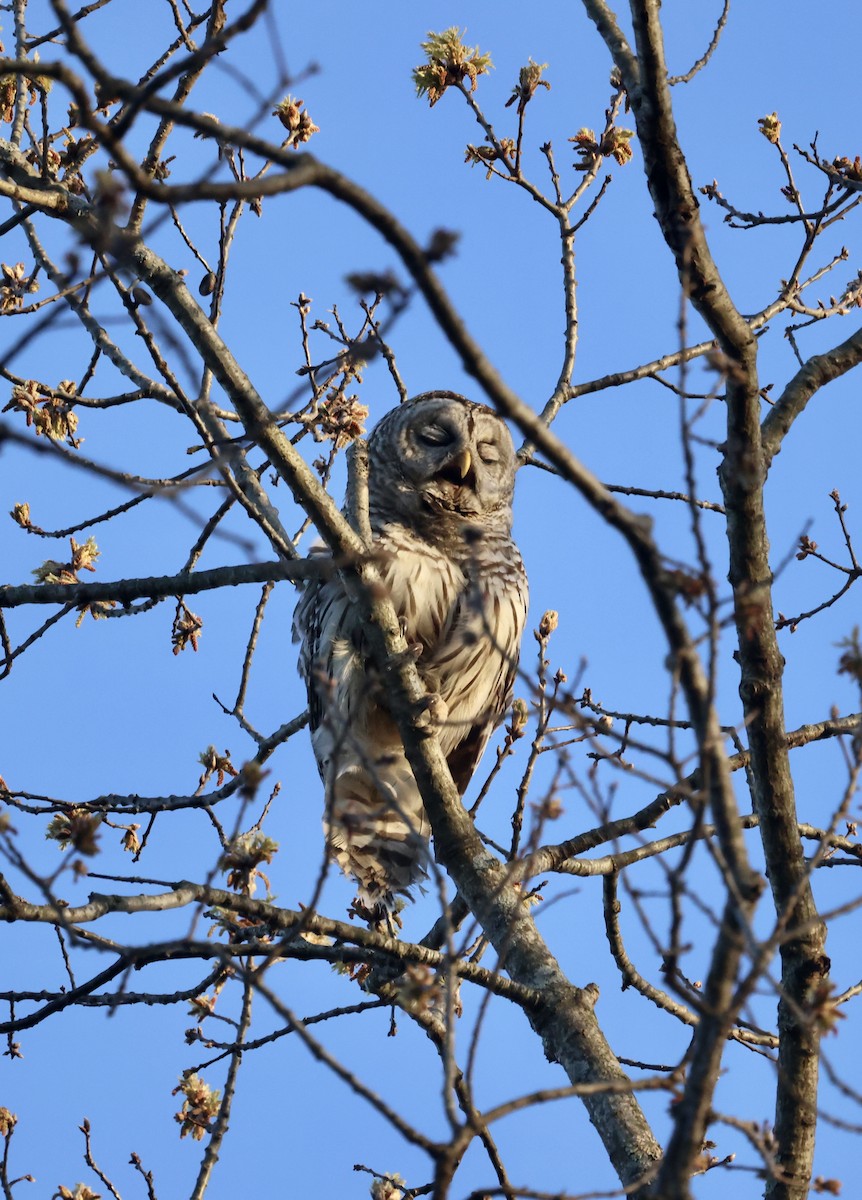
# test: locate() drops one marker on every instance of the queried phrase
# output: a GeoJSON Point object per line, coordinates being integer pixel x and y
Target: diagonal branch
{"type": "Point", "coordinates": [815, 374]}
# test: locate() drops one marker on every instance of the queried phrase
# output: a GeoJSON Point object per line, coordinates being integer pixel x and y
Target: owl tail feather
{"type": "Point", "coordinates": [379, 837]}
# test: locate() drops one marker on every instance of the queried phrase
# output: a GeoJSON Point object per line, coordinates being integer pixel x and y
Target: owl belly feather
{"type": "Point", "coordinates": [467, 620]}
{"type": "Point", "coordinates": [424, 586]}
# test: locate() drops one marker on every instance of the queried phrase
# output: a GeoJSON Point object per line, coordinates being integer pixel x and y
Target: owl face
{"type": "Point", "coordinates": [441, 458]}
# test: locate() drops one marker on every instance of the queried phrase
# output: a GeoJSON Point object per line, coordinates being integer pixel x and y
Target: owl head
{"type": "Point", "coordinates": [440, 463]}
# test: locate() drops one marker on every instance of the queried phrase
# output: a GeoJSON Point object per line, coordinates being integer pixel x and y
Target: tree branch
{"type": "Point", "coordinates": [815, 374]}
{"type": "Point", "coordinates": [187, 583]}
{"type": "Point", "coordinates": [742, 475]}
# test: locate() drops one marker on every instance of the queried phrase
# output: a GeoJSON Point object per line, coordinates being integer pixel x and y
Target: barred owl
{"type": "Point", "coordinates": [441, 476]}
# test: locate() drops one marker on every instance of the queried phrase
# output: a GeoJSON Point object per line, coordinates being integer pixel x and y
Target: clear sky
{"type": "Point", "coordinates": [108, 709]}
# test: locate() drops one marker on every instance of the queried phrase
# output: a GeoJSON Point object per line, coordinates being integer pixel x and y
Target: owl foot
{"type": "Point", "coordinates": [384, 916]}
{"type": "Point", "coordinates": [435, 712]}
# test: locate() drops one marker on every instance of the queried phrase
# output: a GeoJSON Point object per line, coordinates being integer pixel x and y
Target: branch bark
{"type": "Point", "coordinates": [186, 583]}
{"type": "Point", "coordinates": [815, 374]}
{"type": "Point", "coordinates": [742, 475]}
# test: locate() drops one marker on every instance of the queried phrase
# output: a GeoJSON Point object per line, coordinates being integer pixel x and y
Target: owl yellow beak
{"type": "Point", "coordinates": [462, 463]}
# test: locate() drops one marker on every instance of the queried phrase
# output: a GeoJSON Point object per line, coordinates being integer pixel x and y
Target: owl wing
{"type": "Point", "coordinates": [375, 822]}
{"type": "Point", "coordinates": [325, 625]}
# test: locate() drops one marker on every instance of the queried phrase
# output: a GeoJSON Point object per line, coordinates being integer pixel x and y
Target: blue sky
{"type": "Point", "coordinates": [108, 708]}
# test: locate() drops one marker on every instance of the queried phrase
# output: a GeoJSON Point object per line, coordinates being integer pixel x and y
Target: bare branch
{"type": "Point", "coordinates": [188, 583]}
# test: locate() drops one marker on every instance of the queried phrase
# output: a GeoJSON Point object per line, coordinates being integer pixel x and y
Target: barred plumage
{"type": "Point", "coordinates": [441, 476]}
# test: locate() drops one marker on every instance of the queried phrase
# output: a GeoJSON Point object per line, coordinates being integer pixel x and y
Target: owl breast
{"type": "Point", "coordinates": [423, 584]}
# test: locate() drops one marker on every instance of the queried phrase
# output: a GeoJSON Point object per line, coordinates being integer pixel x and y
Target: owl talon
{"type": "Point", "coordinates": [414, 649]}
{"type": "Point", "coordinates": [381, 917]}
{"type": "Point", "coordinates": [434, 713]}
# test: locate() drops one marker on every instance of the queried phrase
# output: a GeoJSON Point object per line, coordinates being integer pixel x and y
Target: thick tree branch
{"type": "Point", "coordinates": [742, 476]}
{"type": "Point", "coordinates": [350, 942]}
